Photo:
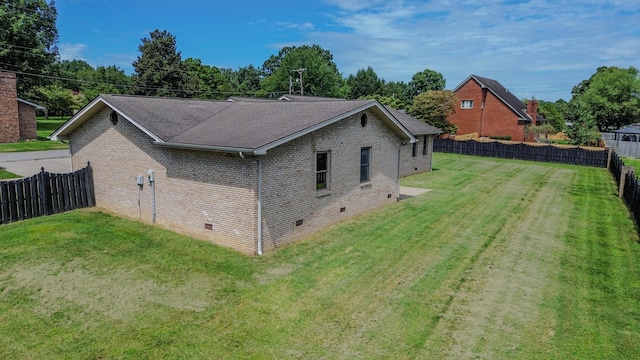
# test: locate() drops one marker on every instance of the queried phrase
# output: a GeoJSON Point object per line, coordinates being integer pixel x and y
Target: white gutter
{"type": "Point", "coordinates": [259, 206]}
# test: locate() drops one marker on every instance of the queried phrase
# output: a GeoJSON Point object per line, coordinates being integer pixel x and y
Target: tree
{"type": "Point", "coordinates": [365, 83]}
{"type": "Point", "coordinates": [57, 100]}
{"type": "Point", "coordinates": [611, 97]}
{"type": "Point", "coordinates": [401, 91]}
{"type": "Point", "coordinates": [320, 75]}
{"type": "Point", "coordinates": [583, 129]}
{"type": "Point", "coordinates": [204, 80]}
{"type": "Point", "coordinates": [159, 70]}
{"type": "Point", "coordinates": [552, 114]}
{"type": "Point", "coordinates": [249, 79]}
{"type": "Point", "coordinates": [28, 38]}
{"type": "Point", "coordinates": [106, 80]}
{"type": "Point", "coordinates": [434, 107]}
{"type": "Point", "coordinates": [386, 101]}
{"type": "Point", "coordinates": [426, 80]}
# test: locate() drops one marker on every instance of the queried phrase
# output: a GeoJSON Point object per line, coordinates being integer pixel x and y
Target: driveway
{"type": "Point", "coordinates": [29, 163]}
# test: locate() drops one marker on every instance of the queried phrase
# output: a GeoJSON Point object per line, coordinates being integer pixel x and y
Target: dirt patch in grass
{"type": "Point", "coordinates": [117, 294]}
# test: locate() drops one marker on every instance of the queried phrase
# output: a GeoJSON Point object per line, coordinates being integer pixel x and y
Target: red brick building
{"type": "Point", "coordinates": [489, 109]}
{"type": "Point", "coordinates": [17, 116]}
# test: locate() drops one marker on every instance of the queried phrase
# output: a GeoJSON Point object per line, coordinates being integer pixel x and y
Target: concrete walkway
{"type": "Point", "coordinates": [29, 163]}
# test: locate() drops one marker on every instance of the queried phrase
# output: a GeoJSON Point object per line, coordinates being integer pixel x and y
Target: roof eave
{"type": "Point", "coordinates": [87, 112]}
{"type": "Point", "coordinates": [226, 149]}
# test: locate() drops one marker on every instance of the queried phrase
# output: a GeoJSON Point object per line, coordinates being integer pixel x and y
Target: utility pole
{"type": "Point", "coordinates": [300, 71]}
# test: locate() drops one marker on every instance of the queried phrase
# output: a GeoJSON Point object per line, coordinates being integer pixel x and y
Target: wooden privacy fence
{"type": "Point", "coordinates": [523, 151]}
{"type": "Point", "coordinates": [628, 185]}
{"type": "Point", "coordinates": [46, 194]}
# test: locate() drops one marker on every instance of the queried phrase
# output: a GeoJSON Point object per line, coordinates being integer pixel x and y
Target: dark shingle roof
{"type": "Point", "coordinates": [509, 99]}
{"type": "Point", "coordinates": [415, 126]}
{"type": "Point", "coordinates": [247, 125]}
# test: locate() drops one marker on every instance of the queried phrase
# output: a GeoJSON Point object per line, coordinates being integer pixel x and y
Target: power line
{"type": "Point", "coordinates": [230, 93]}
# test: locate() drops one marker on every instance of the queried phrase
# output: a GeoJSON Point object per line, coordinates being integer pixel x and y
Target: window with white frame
{"type": "Point", "coordinates": [365, 164]}
{"type": "Point", "coordinates": [466, 104]}
{"type": "Point", "coordinates": [322, 170]}
{"type": "Point", "coordinates": [414, 150]}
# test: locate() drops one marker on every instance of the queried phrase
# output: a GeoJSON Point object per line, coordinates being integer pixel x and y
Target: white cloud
{"type": "Point", "coordinates": [71, 51]}
{"type": "Point", "coordinates": [307, 26]}
{"type": "Point", "coordinates": [541, 45]}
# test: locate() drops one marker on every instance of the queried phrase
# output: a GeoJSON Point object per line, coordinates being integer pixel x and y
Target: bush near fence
{"type": "Point", "coordinates": [563, 154]}
{"type": "Point", "coordinates": [45, 194]}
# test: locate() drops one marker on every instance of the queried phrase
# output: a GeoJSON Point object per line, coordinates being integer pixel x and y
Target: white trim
{"type": "Point", "coordinates": [80, 117]}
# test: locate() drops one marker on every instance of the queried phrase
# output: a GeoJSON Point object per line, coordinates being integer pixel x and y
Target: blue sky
{"type": "Point", "coordinates": [535, 48]}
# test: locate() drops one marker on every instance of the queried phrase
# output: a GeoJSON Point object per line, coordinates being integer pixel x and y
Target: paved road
{"type": "Point", "coordinates": [29, 163]}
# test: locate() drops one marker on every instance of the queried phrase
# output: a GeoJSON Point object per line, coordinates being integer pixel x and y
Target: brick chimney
{"type": "Point", "coordinates": [9, 118]}
{"type": "Point", "coordinates": [532, 110]}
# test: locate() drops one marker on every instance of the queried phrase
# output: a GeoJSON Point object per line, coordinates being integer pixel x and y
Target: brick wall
{"type": "Point", "coordinates": [289, 178]}
{"type": "Point", "coordinates": [9, 125]}
{"type": "Point", "coordinates": [496, 120]}
{"type": "Point", "coordinates": [410, 164]}
{"type": "Point", "coordinates": [194, 188]}
{"type": "Point", "coordinates": [27, 121]}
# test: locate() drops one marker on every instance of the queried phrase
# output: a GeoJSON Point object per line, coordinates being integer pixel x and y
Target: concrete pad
{"type": "Point", "coordinates": [407, 192]}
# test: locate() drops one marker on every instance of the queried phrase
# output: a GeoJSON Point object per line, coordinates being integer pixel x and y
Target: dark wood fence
{"type": "Point", "coordinates": [523, 151]}
{"type": "Point", "coordinates": [630, 189]}
{"type": "Point", "coordinates": [46, 194]}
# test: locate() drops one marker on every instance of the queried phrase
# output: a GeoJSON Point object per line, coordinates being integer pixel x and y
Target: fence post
{"type": "Point", "coordinates": [609, 151]}
{"type": "Point", "coordinates": [623, 178]}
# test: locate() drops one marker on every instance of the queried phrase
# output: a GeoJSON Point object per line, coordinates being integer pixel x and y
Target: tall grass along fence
{"type": "Point", "coordinates": [45, 194]}
{"type": "Point", "coordinates": [628, 185]}
{"type": "Point", "coordinates": [523, 151]}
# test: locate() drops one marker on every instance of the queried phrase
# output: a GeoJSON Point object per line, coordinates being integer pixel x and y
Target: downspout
{"type": "Point", "coordinates": [398, 173]}
{"type": "Point", "coordinates": [259, 206]}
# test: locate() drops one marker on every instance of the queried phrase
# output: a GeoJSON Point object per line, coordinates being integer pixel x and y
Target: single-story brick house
{"type": "Point", "coordinates": [489, 109]}
{"type": "Point", "coordinates": [249, 175]}
{"type": "Point", "coordinates": [18, 116]}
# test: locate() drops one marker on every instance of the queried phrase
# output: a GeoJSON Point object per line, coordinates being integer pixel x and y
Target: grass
{"type": "Point", "coordinates": [4, 174]}
{"type": "Point", "coordinates": [44, 128]}
{"type": "Point", "coordinates": [632, 162]}
{"type": "Point", "coordinates": [503, 260]}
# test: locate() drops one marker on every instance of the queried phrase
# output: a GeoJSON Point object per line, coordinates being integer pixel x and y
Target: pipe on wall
{"type": "Point", "coordinates": [259, 206]}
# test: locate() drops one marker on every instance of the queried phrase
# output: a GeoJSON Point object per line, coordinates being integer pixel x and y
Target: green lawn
{"type": "Point", "coordinates": [632, 162]}
{"type": "Point", "coordinates": [4, 174]}
{"type": "Point", "coordinates": [502, 260]}
{"type": "Point", "coordinates": [44, 128]}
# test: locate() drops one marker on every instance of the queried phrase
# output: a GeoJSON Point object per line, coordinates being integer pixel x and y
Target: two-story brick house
{"type": "Point", "coordinates": [489, 109]}
{"type": "Point", "coordinates": [249, 175]}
